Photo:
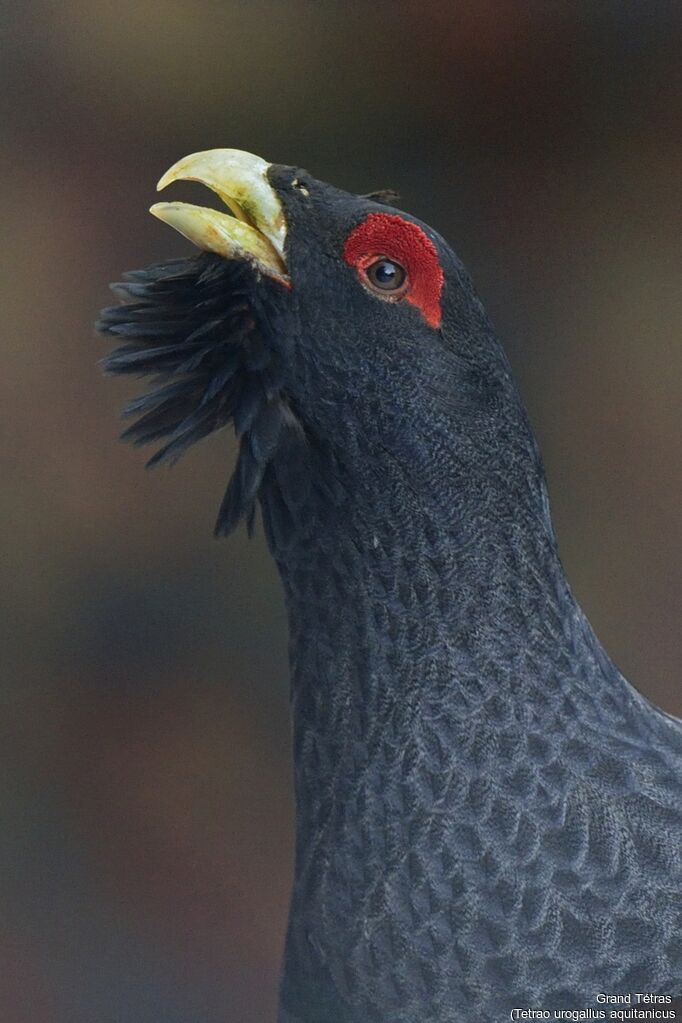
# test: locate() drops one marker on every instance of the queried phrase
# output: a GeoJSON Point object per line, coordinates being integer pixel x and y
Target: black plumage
{"type": "Point", "coordinates": [212, 368]}
{"type": "Point", "coordinates": [488, 814]}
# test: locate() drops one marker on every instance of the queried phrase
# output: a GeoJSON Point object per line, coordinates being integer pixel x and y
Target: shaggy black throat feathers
{"type": "Point", "coordinates": [488, 814]}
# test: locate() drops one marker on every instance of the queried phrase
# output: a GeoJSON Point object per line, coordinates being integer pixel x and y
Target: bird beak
{"type": "Point", "coordinates": [255, 231]}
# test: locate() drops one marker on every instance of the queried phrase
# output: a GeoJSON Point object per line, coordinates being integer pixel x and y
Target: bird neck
{"type": "Point", "coordinates": [416, 617]}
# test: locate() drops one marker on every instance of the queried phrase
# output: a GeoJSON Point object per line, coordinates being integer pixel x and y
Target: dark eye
{"type": "Point", "coordinates": [386, 275]}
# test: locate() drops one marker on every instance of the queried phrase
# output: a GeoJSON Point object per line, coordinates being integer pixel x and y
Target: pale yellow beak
{"type": "Point", "coordinates": [256, 231]}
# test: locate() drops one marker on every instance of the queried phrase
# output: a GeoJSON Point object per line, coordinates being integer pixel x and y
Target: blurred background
{"type": "Point", "coordinates": [146, 848]}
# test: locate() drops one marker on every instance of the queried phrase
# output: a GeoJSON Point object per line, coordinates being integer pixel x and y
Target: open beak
{"type": "Point", "coordinates": [255, 231]}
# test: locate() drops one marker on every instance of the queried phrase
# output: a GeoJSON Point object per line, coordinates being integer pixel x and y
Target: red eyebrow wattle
{"type": "Point", "coordinates": [386, 234]}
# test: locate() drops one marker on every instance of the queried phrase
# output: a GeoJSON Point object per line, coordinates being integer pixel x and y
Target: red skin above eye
{"type": "Point", "coordinates": [385, 234]}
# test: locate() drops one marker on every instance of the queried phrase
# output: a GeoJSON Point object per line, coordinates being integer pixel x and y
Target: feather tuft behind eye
{"type": "Point", "coordinates": [385, 196]}
{"type": "Point", "coordinates": [190, 325]}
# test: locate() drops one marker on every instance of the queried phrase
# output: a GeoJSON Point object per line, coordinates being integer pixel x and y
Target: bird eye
{"type": "Point", "coordinates": [387, 276]}
{"type": "Point", "coordinates": [396, 260]}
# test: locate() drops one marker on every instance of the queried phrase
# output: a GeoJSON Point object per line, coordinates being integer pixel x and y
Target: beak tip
{"type": "Point", "coordinates": [161, 210]}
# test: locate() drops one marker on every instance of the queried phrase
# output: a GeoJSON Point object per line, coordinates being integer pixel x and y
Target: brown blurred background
{"type": "Point", "coordinates": [146, 847]}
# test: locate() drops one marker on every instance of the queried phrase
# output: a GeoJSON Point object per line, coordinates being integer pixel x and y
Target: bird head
{"type": "Point", "coordinates": [311, 318]}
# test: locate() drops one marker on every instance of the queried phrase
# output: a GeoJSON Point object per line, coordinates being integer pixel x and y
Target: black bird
{"type": "Point", "coordinates": [489, 816]}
